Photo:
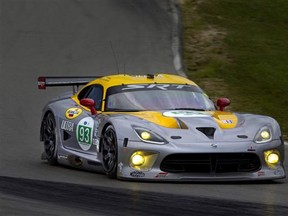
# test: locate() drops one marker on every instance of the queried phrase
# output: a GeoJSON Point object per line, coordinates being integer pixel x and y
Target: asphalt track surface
{"type": "Point", "coordinates": [77, 37]}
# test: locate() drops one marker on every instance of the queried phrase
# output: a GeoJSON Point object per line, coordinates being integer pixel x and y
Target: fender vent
{"type": "Point", "coordinates": [208, 131]}
{"type": "Point", "coordinates": [66, 135]}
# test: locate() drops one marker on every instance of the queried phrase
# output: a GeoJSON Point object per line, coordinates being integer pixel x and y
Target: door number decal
{"type": "Point", "coordinates": [85, 132]}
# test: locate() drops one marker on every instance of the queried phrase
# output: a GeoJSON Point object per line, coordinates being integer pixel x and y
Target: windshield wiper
{"type": "Point", "coordinates": [185, 108]}
{"type": "Point", "coordinates": [123, 110]}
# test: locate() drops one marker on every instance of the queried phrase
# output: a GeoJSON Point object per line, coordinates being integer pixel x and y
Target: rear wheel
{"type": "Point", "coordinates": [110, 152]}
{"type": "Point", "coordinates": [49, 138]}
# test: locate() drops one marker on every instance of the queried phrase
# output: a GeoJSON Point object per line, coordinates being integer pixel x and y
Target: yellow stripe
{"type": "Point", "coordinates": [225, 120]}
{"type": "Point", "coordinates": [154, 117]}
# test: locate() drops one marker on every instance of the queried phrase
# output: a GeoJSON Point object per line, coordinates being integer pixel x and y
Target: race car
{"type": "Point", "coordinates": [158, 127]}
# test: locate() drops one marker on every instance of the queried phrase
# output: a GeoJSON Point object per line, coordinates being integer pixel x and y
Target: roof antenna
{"type": "Point", "coordinates": [115, 58]}
{"type": "Point", "coordinates": [124, 69]}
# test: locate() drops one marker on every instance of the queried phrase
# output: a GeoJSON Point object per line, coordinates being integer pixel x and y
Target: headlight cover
{"type": "Point", "coordinates": [263, 135]}
{"type": "Point", "coordinates": [143, 160]}
{"type": "Point", "coordinates": [149, 136]}
{"type": "Point", "coordinates": [272, 157]}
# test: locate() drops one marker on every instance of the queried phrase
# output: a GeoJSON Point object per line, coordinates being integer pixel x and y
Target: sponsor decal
{"type": "Point", "coordinates": [141, 76]}
{"type": "Point", "coordinates": [261, 173]}
{"type": "Point", "coordinates": [183, 113]}
{"type": "Point", "coordinates": [120, 166]}
{"type": "Point", "coordinates": [62, 157]}
{"type": "Point", "coordinates": [155, 86]}
{"type": "Point", "coordinates": [41, 84]}
{"type": "Point", "coordinates": [73, 113]}
{"type": "Point", "coordinates": [96, 126]}
{"type": "Point", "coordinates": [96, 142]}
{"type": "Point", "coordinates": [279, 172]}
{"type": "Point", "coordinates": [67, 125]}
{"type": "Point", "coordinates": [214, 145]}
{"type": "Point", "coordinates": [227, 121]}
{"type": "Point", "coordinates": [251, 148]}
{"type": "Point", "coordinates": [84, 133]}
{"type": "Point", "coordinates": [161, 175]}
{"type": "Point", "coordinates": [137, 174]}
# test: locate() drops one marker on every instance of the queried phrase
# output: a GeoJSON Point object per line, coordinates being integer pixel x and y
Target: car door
{"type": "Point", "coordinates": [85, 125]}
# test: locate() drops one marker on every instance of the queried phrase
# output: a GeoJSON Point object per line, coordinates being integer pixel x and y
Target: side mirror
{"type": "Point", "coordinates": [90, 103]}
{"type": "Point", "coordinates": [222, 103]}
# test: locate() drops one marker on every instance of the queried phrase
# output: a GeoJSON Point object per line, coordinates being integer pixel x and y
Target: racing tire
{"type": "Point", "coordinates": [110, 152]}
{"type": "Point", "coordinates": [50, 138]}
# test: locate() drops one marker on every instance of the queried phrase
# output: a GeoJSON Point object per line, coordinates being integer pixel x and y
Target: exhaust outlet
{"type": "Point", "coordinates": [75, 160]}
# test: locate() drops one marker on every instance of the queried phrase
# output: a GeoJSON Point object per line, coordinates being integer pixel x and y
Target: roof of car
{"type": "Point", "coordinates": [125, 79]}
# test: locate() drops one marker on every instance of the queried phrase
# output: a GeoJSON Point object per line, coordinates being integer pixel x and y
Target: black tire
{"type": "Point", "coordinates": [110, 152]}
{"type": "Point", "coordinates": [50, 138]}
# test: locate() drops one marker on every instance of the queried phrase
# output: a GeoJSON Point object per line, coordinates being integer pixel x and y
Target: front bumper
{"type": "Point", "coordinates": [155, 172]}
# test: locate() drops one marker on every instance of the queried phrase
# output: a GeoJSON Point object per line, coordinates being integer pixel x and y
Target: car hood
{"type": "Point", "coordinates": [225, 126]}
{"type": "Point", "coordinates": [184, 118]}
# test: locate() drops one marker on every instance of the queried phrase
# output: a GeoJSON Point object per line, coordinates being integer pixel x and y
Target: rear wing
{"type": "Point", "coordinates": [74, 81]}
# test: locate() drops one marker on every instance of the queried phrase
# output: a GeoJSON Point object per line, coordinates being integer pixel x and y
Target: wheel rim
{"type": "Point", "coordinates": [109, 150]}
{"type": "Point", "coordinates": [49, 137]}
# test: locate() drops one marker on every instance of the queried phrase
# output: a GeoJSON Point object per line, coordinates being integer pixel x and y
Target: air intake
{"type": "Point", "coordinates": [211, 163]}
{"type": "Point", "coordinates": [208, 131]}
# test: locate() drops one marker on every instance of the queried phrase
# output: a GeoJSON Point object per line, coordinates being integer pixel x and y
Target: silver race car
{"type": "Point", "coordinates": [156, 127]}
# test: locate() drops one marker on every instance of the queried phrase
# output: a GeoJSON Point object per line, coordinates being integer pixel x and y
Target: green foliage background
{"type": "Point", "coordinates": [239, 49]}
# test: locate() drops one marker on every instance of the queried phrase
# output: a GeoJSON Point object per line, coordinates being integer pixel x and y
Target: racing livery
{"type": "Point", "coordinates": [156, 127]}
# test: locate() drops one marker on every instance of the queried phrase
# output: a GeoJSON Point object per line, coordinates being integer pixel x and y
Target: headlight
{"type": "Point", "coordinates": [137, 159]}
{"type": "Point", "coordinates": [143, 160]}
{"type": "Point", "coordinates": [272, 157]}
{"type": "Point", "coordinates": [263, 135]}
{"type": "Point", "coordinates": [148, 136]}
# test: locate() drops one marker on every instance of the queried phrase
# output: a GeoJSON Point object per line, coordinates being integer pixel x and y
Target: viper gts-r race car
{"type": "Point", "coordinates": [156, 127]}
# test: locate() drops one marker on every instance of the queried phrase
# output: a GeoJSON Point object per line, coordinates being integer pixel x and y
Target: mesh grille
{"type": "Point", "coordinates": [211, 163]}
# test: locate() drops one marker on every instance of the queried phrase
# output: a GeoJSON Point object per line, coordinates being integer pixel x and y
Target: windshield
{"type": "Point", "coordinates": [157, 97]}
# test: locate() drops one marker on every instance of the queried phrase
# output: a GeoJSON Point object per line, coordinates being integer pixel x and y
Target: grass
{"type": "Point", "coordinates": [239, 49]}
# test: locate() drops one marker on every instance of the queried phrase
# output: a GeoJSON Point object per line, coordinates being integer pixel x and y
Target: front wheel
{"type": "Point", "coordinates": [49, 138]}
{"type": "Point", "coordinates": [110, 152]}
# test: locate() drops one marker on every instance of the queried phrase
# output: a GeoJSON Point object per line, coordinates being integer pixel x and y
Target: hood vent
{"type": "Point", "coordinates": [208, 131]}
